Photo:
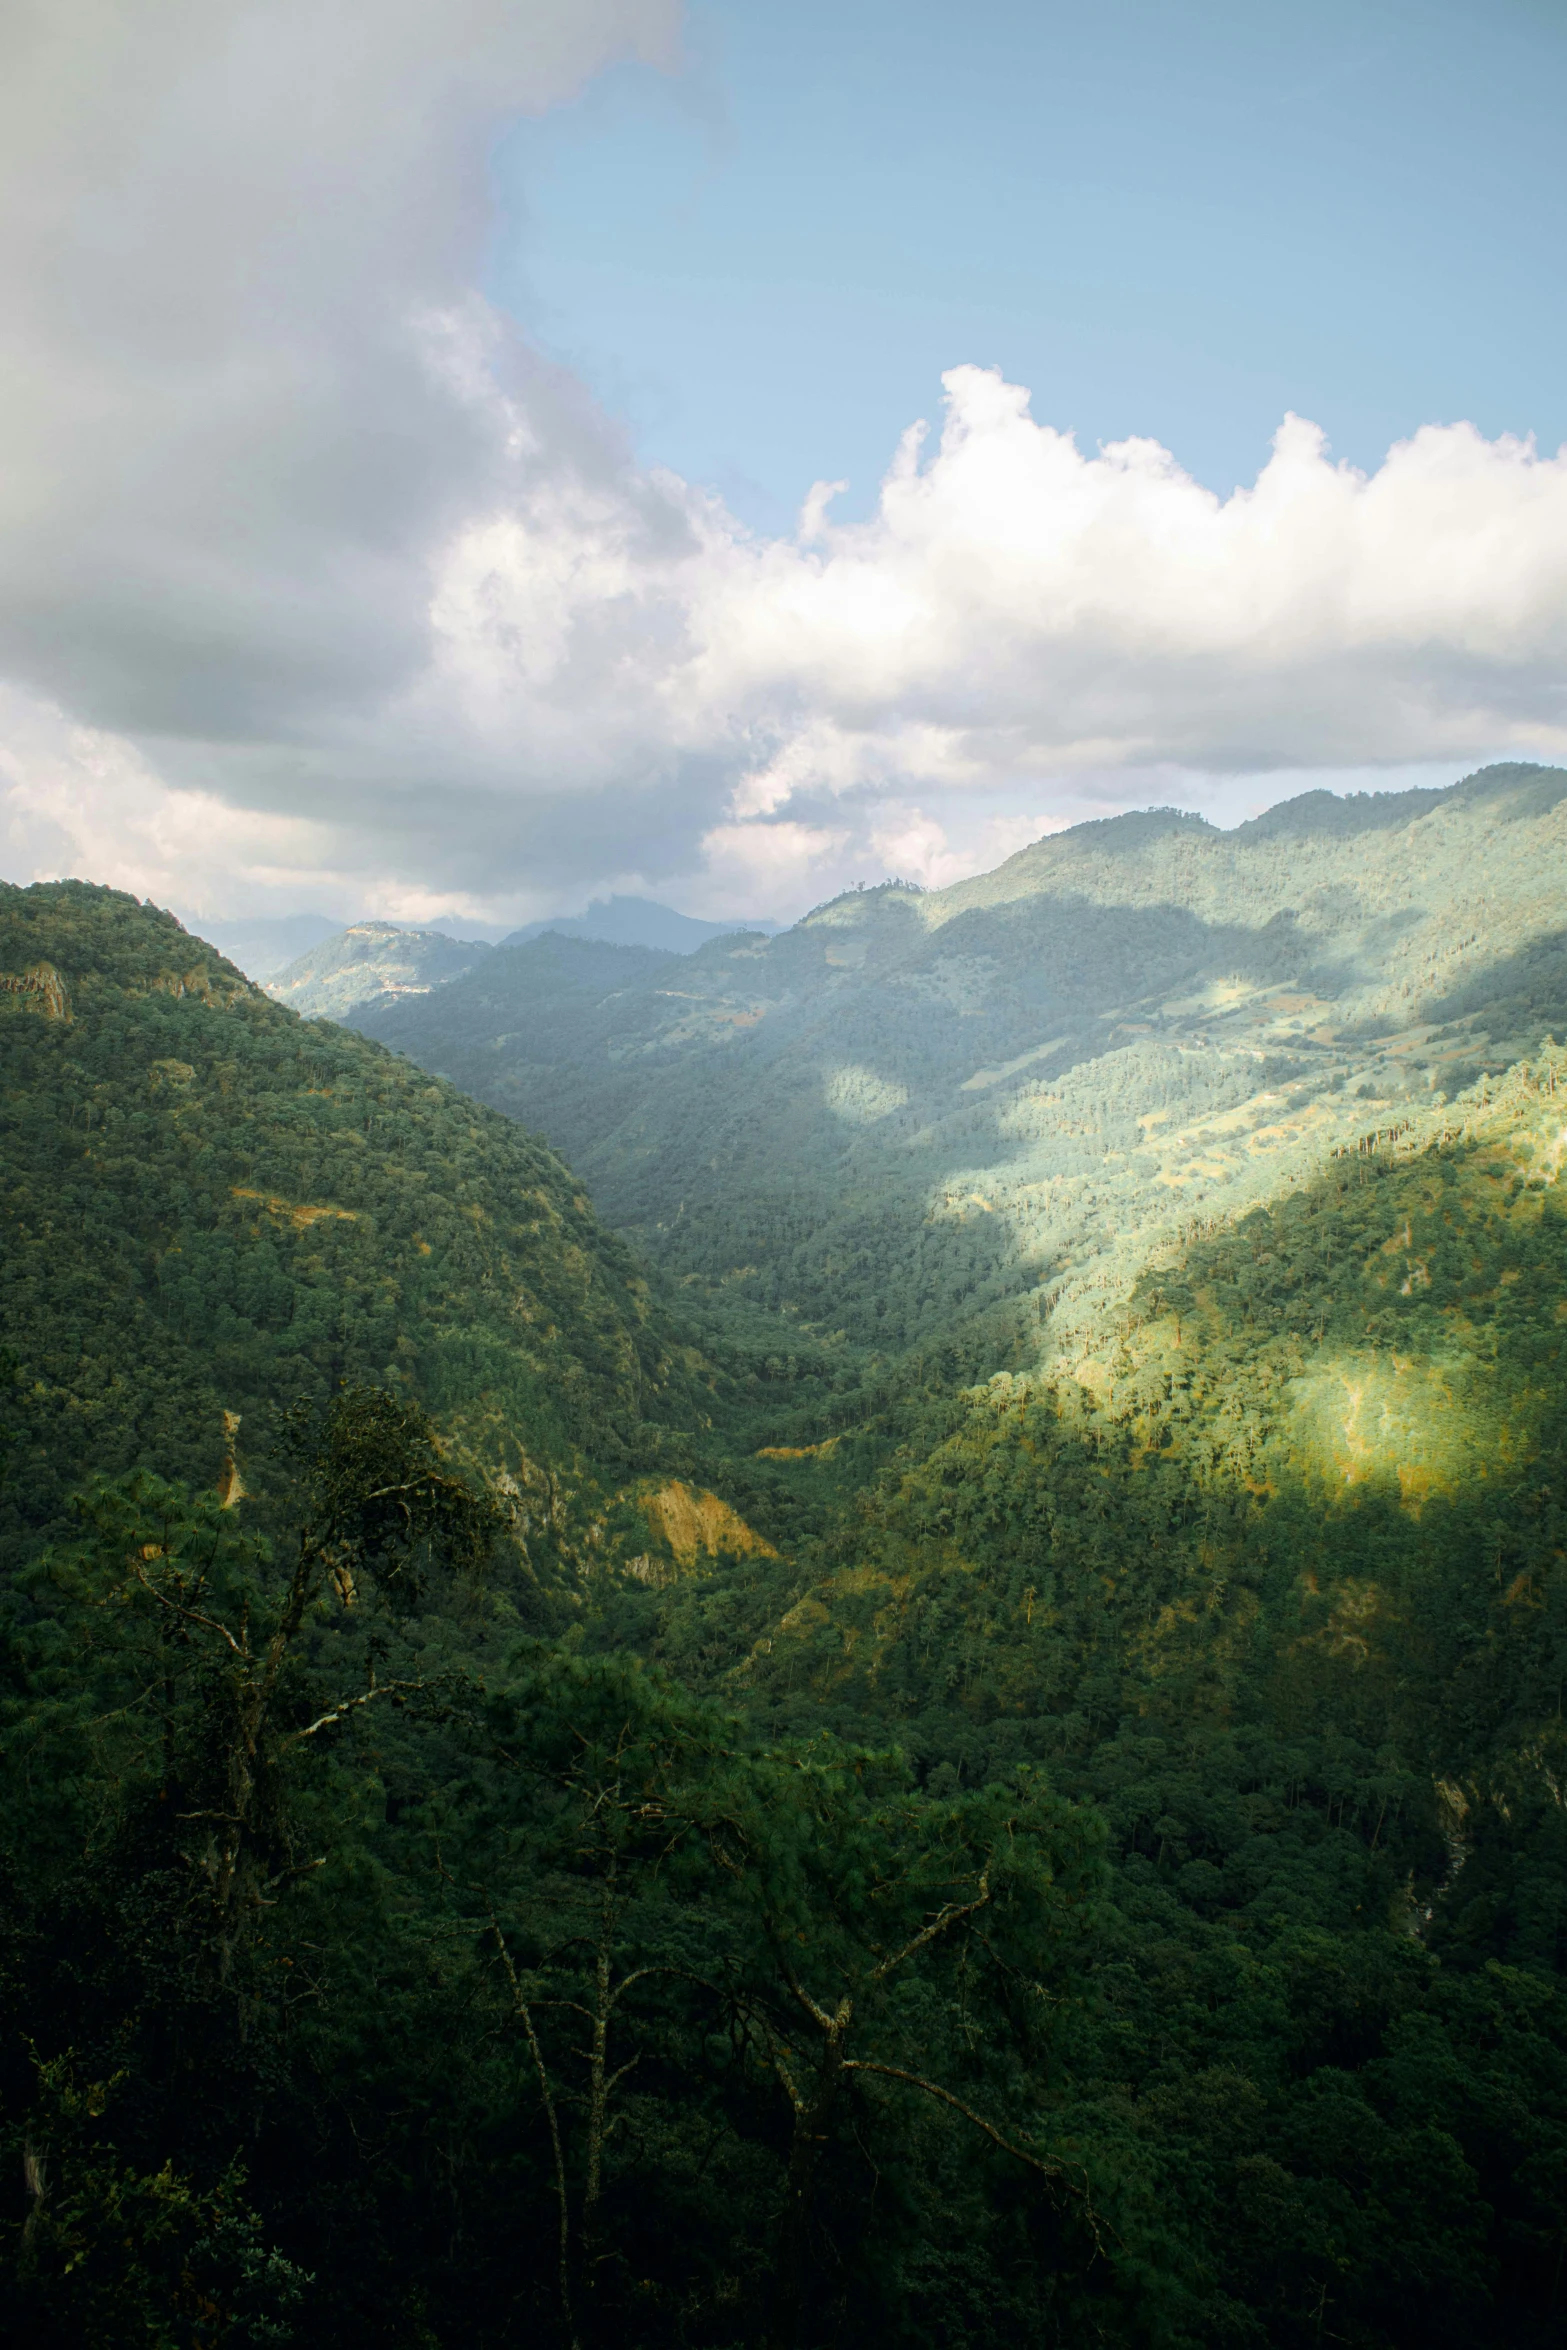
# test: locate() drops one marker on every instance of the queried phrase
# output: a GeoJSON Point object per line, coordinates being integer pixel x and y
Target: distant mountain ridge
{"type": "Point", "coordinates": [377, 963]}
{"type": "Point", "coordinates": [636, 922]}
{"type": "Point", "coordinates": [263, 946]}
{"type": "Point", "coordinates": [371, 962]}
{"type": "Point", "coordinates": [913, 1107]}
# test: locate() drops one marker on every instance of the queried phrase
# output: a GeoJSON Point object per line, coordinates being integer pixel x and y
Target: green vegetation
{"type": "Point", "coordinates": [370, 963]}
{"type": "Point", "coordinates": [213, 1208]}
{"type": "Point", "coordinates": [373, 1975]}
{"type": "Point", "coordinates": [991, 1102]}
{"type": "Point", "coordinates": [1277, 1584]}
{"type": "Point", "coordinates": [1028, 1811]}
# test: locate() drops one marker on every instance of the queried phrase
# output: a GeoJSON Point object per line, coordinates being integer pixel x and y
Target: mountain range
{"type": "Point", "coordinates": [380, 962]}
{"type": "Point", "coordinates": [910, 1109]}
{"type": "Point", "coordinates": [856, 1635]}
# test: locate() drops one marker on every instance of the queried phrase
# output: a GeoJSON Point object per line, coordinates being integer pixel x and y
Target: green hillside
{"type": "Point", "coordinates": [910, 1109]}
{"type": "Point", "coordinates": [1062, 1844]}
{"type": "Point", "coordinates": [314, 1859]}
{"type": "Point", "coordinates": [212, 1207]}
{"type": "Point", "coordinates": [370, 962]}
{"type": "Point", "coordinates": [1275, 1580]}
{"type": "Point", "coordinates": [1184, 1211]}
{"type": "Point", "coordinates": [1328, 1441]}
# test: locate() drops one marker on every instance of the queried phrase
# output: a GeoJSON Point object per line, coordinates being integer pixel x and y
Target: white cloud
{"type": "Point", "coordinates": [758, 869]}
{"type": "Point", "coordinates": [228, 229]}
{"type": "Point", "coordinates": [316, 585]}
{"type": "Point", "coordinates": [1016, 605]}
{"type": "Point", "coordinates": [1018, 616]}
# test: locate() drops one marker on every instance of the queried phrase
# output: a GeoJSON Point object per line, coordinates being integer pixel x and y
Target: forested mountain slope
{"type": "Point", "coordinates": [1276, 1579]}
{"type": "Point", "coordinates": [1255, 1545]}
{"type": "Point", "coordinates": [211, 1207]}
{"type": "Point", "coordinates": [1096, 1874]}
{"type": "Point", "coordinates": [317, 1845]}
{"type": "Point", "coordinates": [1329, 1441]}
{"type": "Point", "coordinates": [912, 1106]}
{"type": "Point", "coordinates": [370, 962]}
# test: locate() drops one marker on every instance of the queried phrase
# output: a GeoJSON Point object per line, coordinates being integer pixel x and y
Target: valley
{"type": "Point", "coordinates": [913, 1111]}
{"type": "Point", "coordinates": [916, 1580]}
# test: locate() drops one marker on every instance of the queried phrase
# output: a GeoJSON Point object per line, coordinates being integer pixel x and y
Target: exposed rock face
{"type": "Point", "coordinates": [43, 983]}
{"type": "Point", "coordinates": [692, 1520]}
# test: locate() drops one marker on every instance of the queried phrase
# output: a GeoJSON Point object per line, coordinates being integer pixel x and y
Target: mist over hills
{"type": "Point", "coordinates": [265, 944]}
{"type": "Point", "coordinates": [912, 1108]}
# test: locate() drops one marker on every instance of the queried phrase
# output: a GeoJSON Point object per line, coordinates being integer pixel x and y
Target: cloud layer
{"type": "Point", "coordinates": [311, 573]}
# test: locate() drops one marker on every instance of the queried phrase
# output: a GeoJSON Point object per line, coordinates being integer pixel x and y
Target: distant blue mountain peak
{"type": "Point", "coordinates": [634, 922]}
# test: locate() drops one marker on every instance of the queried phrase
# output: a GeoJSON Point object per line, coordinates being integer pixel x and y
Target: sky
{"type": "Point", "coordinates": [459, 457]}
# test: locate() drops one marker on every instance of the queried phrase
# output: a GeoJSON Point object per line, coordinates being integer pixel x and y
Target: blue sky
{"type": "Point", "coordinates": [409, 412]}
{"type": "Point", "coordinates": [1173, 220]}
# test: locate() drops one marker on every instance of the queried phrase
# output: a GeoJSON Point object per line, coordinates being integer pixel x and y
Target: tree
{"type": "Point", "coordinates": [777, 1950]}
{"type": "Point", "coordinates": [160, 1729]}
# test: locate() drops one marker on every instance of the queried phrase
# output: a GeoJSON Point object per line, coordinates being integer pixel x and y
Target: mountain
{"type": "Point", "coordinates": [334, 1428]}
{"type": "Point", "coordinates": [1272, 1577]}
{"type": "Point", "coordinates": [1172, 1224]}
{"type": "Point", "coordinates": [1312, 1468]}
{"type": "Point", "coordinates": [635, 922]}
{"type": "Point", "coordinates": [263, 946]}
{"type": "Point", "coordinates": [911, 1111]}
{"type": "Point", "coordinates": [212, 1207]}
{"type": "Point", "coordinates": [371, 962]}
{"type": "Point", "coordinates": [1064, 1844]}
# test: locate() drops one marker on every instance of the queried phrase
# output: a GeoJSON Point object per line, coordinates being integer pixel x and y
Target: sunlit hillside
{"type": "Point", "coordinates": [912, 1107]}
{"type": "Point", "coordinates": [1339, 1425]}
{"type": "Point", "coordinates": [1274, 1575]}
{"type": "Point", "coordinates": [370, 962]}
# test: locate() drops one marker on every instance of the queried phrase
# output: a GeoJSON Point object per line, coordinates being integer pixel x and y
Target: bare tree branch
{"type": "Point", "coordinates": [830, 2024]}
{"type": "Point", "coordinates": [893, 2072]}
{"type": "Point", "coordinates": [937, 1926]}
{"type": "Point", "coordinates": [190, 1614]}
{"type": "Point", "coordinates": [525, 2017]}
{"type": "Point", "coordinates": [1046, 2170]}
{"type": "Point", "coordinates": [340, 1713]}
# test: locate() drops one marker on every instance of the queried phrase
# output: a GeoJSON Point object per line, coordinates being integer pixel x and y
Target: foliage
{"type": "Point", "coordinates": [211, 1207]}
{"type": "Point", "coordinates": [914, 1112]}
{"type": "Point", "coordinates": [718, 1974]}
{"type": "Point", "coordinates": [1098, 1875]}
{"type": "Point", "coordinates": [139, 2258]}
{"type": "Point", "coordinates": [1277, 1586]}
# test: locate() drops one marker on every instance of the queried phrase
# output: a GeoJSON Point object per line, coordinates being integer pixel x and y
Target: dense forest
{"type": "Point", "coordinates": [214, 1210]}
{"type": "Point", "coordinates": [856, 1775]}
